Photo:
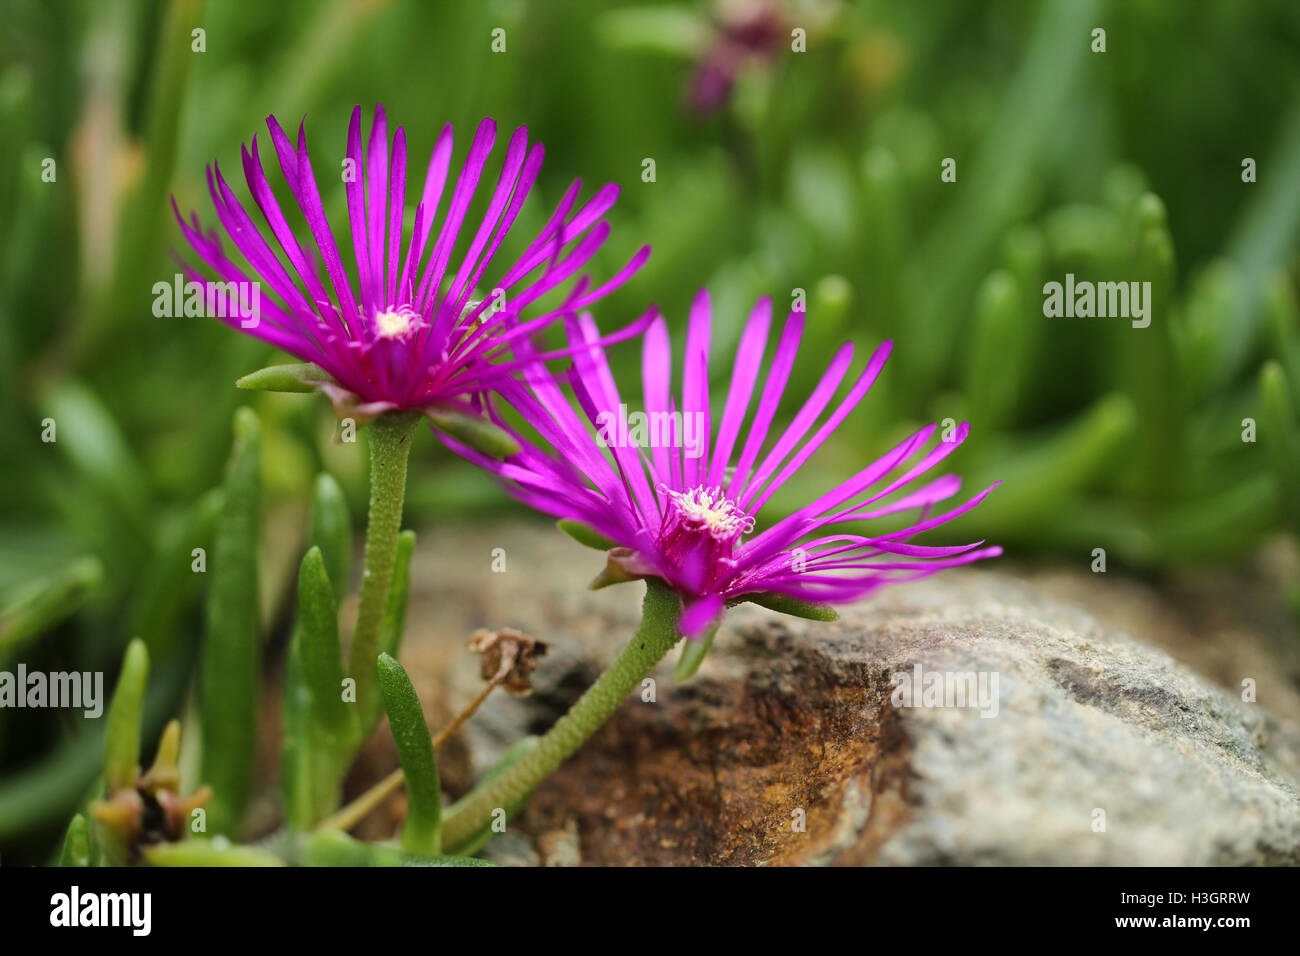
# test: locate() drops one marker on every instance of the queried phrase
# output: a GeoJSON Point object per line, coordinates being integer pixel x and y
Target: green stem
{"type": "Point", "coordinates": [654, 639]}
{"type": "Point", "coordinates": [390, 447]}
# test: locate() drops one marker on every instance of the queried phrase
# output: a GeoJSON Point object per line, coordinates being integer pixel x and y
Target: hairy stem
{"type": "Point", "coordinates": [654, 639]}
{"type": "Point", "coordinates": [390, 447]}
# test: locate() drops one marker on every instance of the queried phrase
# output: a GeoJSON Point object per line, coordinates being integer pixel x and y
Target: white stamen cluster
{"type": "Point", "coordinates": [395, 323]}
{"type": "Point", "coordinates": [710, 510]}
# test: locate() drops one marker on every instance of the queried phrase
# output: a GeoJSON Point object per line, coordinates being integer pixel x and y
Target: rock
{"type": "Point", "coordinates": [787, 748]}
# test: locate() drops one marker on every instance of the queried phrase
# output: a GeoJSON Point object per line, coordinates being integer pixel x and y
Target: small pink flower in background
{"type": "Point", "coordinates": [745, 31]}
{"type": "Point", "coordinates": [694, 519]}
{"type": "Point", "coordinates": [407, 334]}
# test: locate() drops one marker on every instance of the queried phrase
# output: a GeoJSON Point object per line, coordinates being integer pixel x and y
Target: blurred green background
{"type": "Point", "coordinates": [774, 171]}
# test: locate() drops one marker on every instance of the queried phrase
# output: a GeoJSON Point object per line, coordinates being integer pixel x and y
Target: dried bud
{"type": "Point", "coordinates": [176, 810]}
{"type": "Point", "coordinates": [150, 812]}
{"type": "Point", "coordinates": [509, 658]}
{"type": "Point", "coordinates": [120, 819]}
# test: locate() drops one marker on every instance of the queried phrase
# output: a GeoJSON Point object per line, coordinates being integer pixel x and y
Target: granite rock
{"type": "Point", "coordinates": [1078, 742]}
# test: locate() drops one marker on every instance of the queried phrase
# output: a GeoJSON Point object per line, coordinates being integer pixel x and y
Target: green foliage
{"type": "Point", "coordinates": [122, 742]}
{"type": "Point", "coordinates": [322, 737]}
{"type": "Point", "coordinates": [422, 831]}
{"type": "Point", "coordinates": [322, 660]}
{"type": "Point", "coordinates": [229, 670]}
{"type": "Point", "coordinates": [331, 531]}
{"type": "Point", "coordinates": [320, 730]}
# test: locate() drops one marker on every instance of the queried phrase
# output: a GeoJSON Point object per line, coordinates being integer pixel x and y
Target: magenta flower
{"type": "Point", "coordinates": [687, 510]}
{"type": "Point", "coordinates": [413, 337]}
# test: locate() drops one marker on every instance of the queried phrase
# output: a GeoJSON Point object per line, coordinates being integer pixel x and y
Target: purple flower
{"type": "Point", "coordinates": [745, 32]}
{"type": "Point", "coordinates": [412, 338]}
{"type": "Point", "coordinates": [689, 511]}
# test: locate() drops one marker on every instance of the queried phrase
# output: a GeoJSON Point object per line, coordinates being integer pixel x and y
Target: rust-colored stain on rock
{"type": "Point", "coordinates": [776, 771]}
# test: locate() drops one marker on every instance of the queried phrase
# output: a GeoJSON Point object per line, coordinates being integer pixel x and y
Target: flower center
{"type": "Point", "coordinates": [709, 511]}
{"type": "Point", "coordinates": [701, 529]}
{"type": "Point", "coordinates": [395, 323]}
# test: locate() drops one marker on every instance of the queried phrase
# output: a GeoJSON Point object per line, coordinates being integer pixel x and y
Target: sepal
{"type": "Point", "coordinates": [585, 534]}
{"type": "Point", "coordinates": [795, 607]}
{"type": "Point", "coordinates": [297, 377]}
{"type": "Point", "coordinates": [622, 564]}
{"type": "Point", "coordinates": [692, 656]}
{"type": "Point", "coordinates": [478, 433]}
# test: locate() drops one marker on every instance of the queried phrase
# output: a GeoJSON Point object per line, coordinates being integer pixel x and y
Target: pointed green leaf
{"type": "Point", "coordinates": [122, 740]}
{"type": "Point", "coordinates": [331, 530]}
{"type": "Point", "coordinates": [422, 832]}
{"type": "Point", "coordinates": [1284, 330]}
{"type": "Point", "coordinates": [76, 844]}
{"type": "Point", "coordinates": [322, 730]}
{"type": "Point", "coordinates": [231, 653]}
{"type": "Point", "coordinates": [297, 791]}
{"type": "Point", "coordinates": [313, 758]}
{"type": "Point", "coordinates": [479, 433]}
{"type": "Point", "coordinates": [784, 604]}
{"type": "Point", "coordinates": [320, 652]}
{"type": "Point", "coordinates": [1149, 362]}
{"type": "Point", "coordinates": [585, 534]}
{"type": "Point", "coordinates": [301, 377]}
{"type": "Point", "coordinates": [996, 360]}
{"type": "Point", "coordinates": [692, 655]}
{"type": "Point", "coordinates": [1213, 291]}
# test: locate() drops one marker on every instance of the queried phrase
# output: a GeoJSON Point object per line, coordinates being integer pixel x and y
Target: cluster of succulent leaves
{"type": "Point", "coordinates": [821, 173]}
{"type": "Point", "coordinates": [132, 817]}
